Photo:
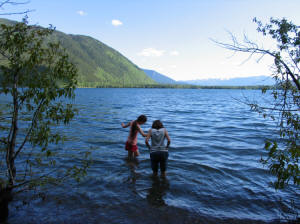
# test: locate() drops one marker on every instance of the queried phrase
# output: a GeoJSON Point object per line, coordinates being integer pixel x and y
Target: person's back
{"type": "Point", "coordinates": [158, 151]}
{"type": "Point", "coordinates": [157, 140]}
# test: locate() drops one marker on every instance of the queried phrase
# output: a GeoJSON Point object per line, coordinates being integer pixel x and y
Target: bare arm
{"type": "Point", "coordinates": [125, 125]}
{"type": "Point", "coordinates": [147, 139]}
{"type": "Point", "coordinates": [168, 138]}
{"type": "Point", "coordinates": [141, 132]}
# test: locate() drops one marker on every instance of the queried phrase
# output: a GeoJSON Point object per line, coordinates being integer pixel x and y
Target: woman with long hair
{"type": "Point", "coordinates": [131, 143]}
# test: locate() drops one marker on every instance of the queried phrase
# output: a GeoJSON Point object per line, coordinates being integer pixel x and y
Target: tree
{"type": "Point", "coordinates": [283, 154]}
{"type": "Point", "coordinates": [37, 81]}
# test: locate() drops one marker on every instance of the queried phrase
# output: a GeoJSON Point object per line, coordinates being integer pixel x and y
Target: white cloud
{"type": "Point", "coordinates": [81, 13]}
{"type": "Point", "coordinates": [174, 53]}
{"type": "Point", "coordinates": [116, 22]}
{"type": "Point", "coordinates": [151, 52]}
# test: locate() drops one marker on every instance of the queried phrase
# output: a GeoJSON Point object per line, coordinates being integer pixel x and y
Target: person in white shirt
{"type": "Point", "coordinates": [158, 151]}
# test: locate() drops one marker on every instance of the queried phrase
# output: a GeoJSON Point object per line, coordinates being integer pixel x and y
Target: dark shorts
{"type": "Point", "coordinates": [132, 148]}
{"type": "Point", "coordinates": [159, 159]}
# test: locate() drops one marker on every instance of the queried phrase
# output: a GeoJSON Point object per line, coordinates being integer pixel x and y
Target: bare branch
{"type": "Point", "coordinates": [8, 2]}
{"type": "Point", "coordinates": [255, 50]}
{"type": "Point", "coordinates": [33, 180]}
{"type": "Point", "coordinates": [17, 13]}
{"type": "Point", "coordinates": [14, 3]}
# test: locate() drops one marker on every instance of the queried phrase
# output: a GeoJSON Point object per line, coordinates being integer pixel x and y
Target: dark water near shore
{"type": "Point", "coordinates": [214, 173]}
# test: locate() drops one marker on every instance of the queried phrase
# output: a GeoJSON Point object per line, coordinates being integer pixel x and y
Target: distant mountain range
{"type": "Point", "coordinates": [242, 81]}
{"type": "Point", "coordinates": [97, 63]}
{"type": "Point", "coordinates": [101, 66]}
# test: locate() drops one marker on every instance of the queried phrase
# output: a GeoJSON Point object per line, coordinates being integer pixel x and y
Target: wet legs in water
{"type": "Point", "coordinates": [159, 160]}
{"type": "Point", "coordinates": [133, 155]}
{"type": "Point", "coordinates": [163, 174]}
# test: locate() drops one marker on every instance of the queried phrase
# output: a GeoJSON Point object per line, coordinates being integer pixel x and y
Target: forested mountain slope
{"type": "Point", "coordinates": [98, 64]}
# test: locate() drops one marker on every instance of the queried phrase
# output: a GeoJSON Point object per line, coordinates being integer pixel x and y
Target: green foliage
{"type": "Point", "coordinates": [99, 64]}
{"type": "Point", "coordinates": [39, 81]}
{"type": "Point", "coordinates": [283, 155]}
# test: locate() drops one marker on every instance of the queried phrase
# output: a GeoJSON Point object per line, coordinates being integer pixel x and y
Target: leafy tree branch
{"type": "Point", "coordinates": [283, 155]}
{"type": "Point", "coordinates": [39, 81]}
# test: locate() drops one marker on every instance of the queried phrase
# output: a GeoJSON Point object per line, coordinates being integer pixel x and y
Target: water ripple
{"type": "Point", "coordinates": [214, 174]}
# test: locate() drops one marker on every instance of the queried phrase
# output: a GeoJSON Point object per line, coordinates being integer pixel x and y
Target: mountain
{"type": "Point", "coordinates": [97, 63]}
{"type": "Point", "coordinates": [243, 81]}
{"type": "Point", "coordinates": [160, 78]}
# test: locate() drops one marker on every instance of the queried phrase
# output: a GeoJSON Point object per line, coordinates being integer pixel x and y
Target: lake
{"type": "Point", "coordinates": [214, 174]}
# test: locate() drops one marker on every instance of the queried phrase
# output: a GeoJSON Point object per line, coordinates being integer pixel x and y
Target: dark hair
{"type": "Point", "coordinates": [157, 124]}
{"type": "Point", "coordinates": [141, 119]}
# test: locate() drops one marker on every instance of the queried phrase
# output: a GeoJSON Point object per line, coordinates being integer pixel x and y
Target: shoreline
{"type": "Point", "coordinates": [259, 87]}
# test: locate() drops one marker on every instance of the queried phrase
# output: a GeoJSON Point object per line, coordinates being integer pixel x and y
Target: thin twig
{"type": "Point", "coordinates": [31, 127]}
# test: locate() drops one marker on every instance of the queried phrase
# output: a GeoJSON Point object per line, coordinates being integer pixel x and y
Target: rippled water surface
{"type": "Point", "coordinates": [214, 174]}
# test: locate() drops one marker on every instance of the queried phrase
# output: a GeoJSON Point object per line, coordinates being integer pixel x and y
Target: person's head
{"type": "Point", "coordinates": [141, 119]}
{"type": "Point", "coordinates": [157, 124]}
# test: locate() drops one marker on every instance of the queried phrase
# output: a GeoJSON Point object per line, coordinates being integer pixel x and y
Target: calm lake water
{"type": "Point", "coordinates": [214, 174]}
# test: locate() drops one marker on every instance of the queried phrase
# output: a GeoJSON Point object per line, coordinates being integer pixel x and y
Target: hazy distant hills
{"type": "Point", "coordinates": [160, 78]}
{"type": "Point", "coordinates": [242, 81]}
{"type": "Point", "coordinates": [98, 64]}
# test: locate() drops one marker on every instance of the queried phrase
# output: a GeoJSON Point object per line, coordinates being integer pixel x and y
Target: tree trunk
{"type": "Point", "coordinates": [5, 198]}
{"type": "Point", "coordinates": [10, 160]}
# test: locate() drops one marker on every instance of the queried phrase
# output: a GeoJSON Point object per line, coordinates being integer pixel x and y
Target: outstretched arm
{"type": "Point", "coordinates": [125, 125]}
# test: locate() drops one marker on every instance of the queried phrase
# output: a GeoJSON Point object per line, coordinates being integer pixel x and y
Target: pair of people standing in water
{"type": "Point", "coordinates": [158, 151]}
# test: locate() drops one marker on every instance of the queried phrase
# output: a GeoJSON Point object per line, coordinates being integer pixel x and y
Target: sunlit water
{"type": "Point", "coordinates": [214, 174]}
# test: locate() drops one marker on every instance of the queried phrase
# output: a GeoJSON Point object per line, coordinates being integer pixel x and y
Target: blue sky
{"type": "Point", "coordinates": [169, 36]}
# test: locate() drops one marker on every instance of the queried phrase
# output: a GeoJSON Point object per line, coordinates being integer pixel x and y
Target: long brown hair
{"type": "Point", "coordinates": [141, 119]}
{"type": "Point", "coordinates": [157, 124]}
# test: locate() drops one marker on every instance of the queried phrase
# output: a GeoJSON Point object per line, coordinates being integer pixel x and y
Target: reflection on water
{"type": "Point", "coordinates": [159, 185]}
{"type": "Point", "coordinates": [132, 165]}
{"type": "Point", "coordinates": [158, 190]}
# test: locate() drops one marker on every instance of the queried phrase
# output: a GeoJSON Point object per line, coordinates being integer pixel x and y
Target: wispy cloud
{"type": "Point", "coordinates": [174, 53]}
{"type": "Point", "coordinates": [81, 13]}
{"type": "Point", "coordinates": [151, 52]}
{"type": "Point", "coordinates": [116, 22]}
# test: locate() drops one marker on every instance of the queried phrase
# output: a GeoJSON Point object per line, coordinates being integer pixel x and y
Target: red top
{"type": "Point", "coordinates": [133, 141]}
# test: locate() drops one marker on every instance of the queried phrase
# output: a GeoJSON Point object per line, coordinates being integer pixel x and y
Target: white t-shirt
{"type": "Point", "coordinates": [157, 140]}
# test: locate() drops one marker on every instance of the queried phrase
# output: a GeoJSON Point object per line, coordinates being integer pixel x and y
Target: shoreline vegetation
{"type": "Point", "coordinates": [176, 86]}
